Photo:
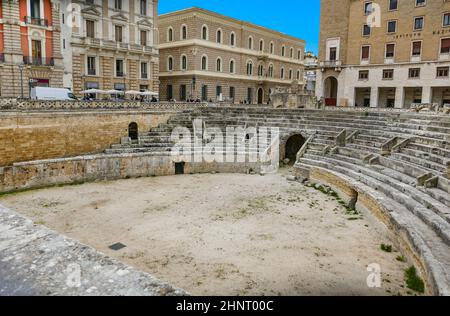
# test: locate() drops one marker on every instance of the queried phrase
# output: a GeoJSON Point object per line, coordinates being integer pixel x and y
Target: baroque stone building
{"type": "Point", "coordinates": [30, 52]}
{"type": "Point", "coordinates": [110, 44]}
{"type": "Point", "coordinates": [384, 53]}
{"type": "Point", "coordinates": [208, 56]}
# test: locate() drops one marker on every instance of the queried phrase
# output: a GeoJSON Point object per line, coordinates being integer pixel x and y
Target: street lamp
{"type": "Point", "coordinates": [21, 66]}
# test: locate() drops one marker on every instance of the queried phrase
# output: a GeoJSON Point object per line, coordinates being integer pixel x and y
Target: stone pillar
{"type": "Point", "coordinates": [374, 97]}
{"type": "Point", "coordinates": [351, 96]}
{"type": "Point", "coordinates": [426, 95]}
{"type": "Point", "coordinates": [399, 97]}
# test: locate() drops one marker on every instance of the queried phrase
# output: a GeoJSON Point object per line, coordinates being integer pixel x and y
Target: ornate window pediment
{"type": "Point", "coordinates": [119, 17]}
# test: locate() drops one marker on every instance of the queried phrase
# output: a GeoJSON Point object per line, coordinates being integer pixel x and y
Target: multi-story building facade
{"type": "Point", "coordinates": [208, 56]}
{"type": "Point", "coordinates": [384, 53]}
{"type": "Point", "coordinates": [310, 72]}
{"type": "Point", "coordinates": [30, 52]}
{"type": "Point", "coordinates": [110, 44]}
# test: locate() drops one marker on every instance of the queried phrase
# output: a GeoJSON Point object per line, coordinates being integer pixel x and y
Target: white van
{"type": "Point", "coordinates": [52, 94]}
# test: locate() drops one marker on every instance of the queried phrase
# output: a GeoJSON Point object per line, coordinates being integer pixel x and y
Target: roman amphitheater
{"type": "Point", "coordinates": [94, 201]}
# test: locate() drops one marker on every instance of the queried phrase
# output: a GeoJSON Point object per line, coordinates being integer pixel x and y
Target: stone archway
{"type": "Point", "coordinates": [330, 91]}
{"type": "Point", "coordinates": [291, 146]}
{"type": "Point", "coordinates": [133, 131]}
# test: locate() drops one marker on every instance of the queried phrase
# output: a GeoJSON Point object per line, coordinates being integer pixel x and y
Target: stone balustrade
{"type": "Point", "coordinates": [13, 104]}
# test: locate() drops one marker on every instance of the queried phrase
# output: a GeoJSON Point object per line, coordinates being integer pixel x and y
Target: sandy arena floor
{"type": "Point", "coordinates": [223, 234]}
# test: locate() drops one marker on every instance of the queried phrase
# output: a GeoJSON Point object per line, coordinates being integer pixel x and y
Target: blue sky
{"type": "Point", "coordinates": [292, 17]}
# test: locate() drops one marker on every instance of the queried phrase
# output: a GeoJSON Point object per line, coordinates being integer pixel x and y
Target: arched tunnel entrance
{"type": "Point", "coordinates": [293, 145]}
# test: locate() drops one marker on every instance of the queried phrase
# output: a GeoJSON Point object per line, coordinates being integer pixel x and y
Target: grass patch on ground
{"type": "Point", "coordinates": [413, 281]}
{"type": "Point", "coordinates": [349, 211]}
{"type": "Point", "coordinates": [386, 248]}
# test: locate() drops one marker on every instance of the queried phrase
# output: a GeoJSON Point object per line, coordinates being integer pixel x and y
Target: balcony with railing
{"type": "Point", "coordinates": [38, 61]}
{"type": "Point", "coordinates": [92, 72]}
{"type": "Point", "coordinates": [330, 64]}
{"type": "Point", "coordinates": [36, 21]}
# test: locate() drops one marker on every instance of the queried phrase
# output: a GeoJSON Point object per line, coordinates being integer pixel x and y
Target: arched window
{"type": "Point", "coordinates": [282, 73]}
{"type": "Point", "coordinates": [291, 53]}
{"type": "Point", "coordinates": [219, 64]}
{"type": "Point", "coordinates": [283, 51]}
{"type": "Point", "coordinates": [170, 34]}
{"type": "Point", "coordinates": [272, 47]}
{"type": "Point", "coordinates": [204, 32]}
{"type": "Point", "coordinates": [290, 74]}
{"type": "Point", "coordinates": [232, 39]}
{"type": "Point", "coordinates": [170, 63]}
{"type": "Point", "coordinates": [184, 32]}
{"type": "Point", "coordinates": [232, 70]}
{"type": "Point", "coordinates": [260, 70]}
{"type": "Point", "coordinates": [250, 42]}
{"type": "Point", "coordinates": [249, 68]}
{"type": "Point", "coordinates": [219, 36]}
{"type": "Point", "coordinates": [261, 45]}
{"type": "Point", "coordinates": [271, 71]}
{"type": "Point", "coordinates": [183, 62]}
{"type": "Point", "coordinates": [299, 54]}
{"type": "Point", "coordinates": [204, 62]}
{"type": "Point", "coordinates": [298, 74]}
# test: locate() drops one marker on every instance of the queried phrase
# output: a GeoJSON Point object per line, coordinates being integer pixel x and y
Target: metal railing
{"type": "Point", "coordinates": [38, 61]}
{"type": "Point", "coordinates": [36, 21]}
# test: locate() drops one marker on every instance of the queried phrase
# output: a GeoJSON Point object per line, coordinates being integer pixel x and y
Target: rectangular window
{"type": "Point", "coordinates": [144, 70]}
{"type": "Point", "coordinates": [118, 33]}
{"type": "Point", "coordinates": [363, 75]}
{"type": "Point", "coordinates": [367, 8]}
{"type": "Point", "coordinates": [445, 46]}
{"type": "Point", "coordinates": [421, 3]}
{"type": "Point", "coordinates": [119, 68]}
{"type": "Point", "coordinates": [446, 20]}
{"type": "Point", "coordinates": [392, 26]}
{"type": "Point", "coordinates": [390, 50]}
{"type": "Point", "coordinates": [418, 23]}
{"type": "Point", "coordinates": [414, 73]}
{"type": "Point", "coordinates": [393, 5]}
{"type": "Point", "coordinates": [366, 30]}
{"type": "Point", "coordinates": [91, 66]}
{"type": "Point", "coordinates": [388, 74]}
{"type": "Point", "coordinates": [90, 29]}
{"type": "Point", "coordinates": [416, 49]}
{"type": "Point", "coordinates": [333, 53]}
{"type": "Point", "coordinates": [143, 7]}
{"type": "Point", "coordinates": [442, 72]}
{"type": "Point", "coordinates": [118, 4]}
{"type": "Point", "coordinates": [35, 9]}
{"type": "Point", "coordinates": [365, 53]}
{"type": "Point", "coordinates": [144, 38]}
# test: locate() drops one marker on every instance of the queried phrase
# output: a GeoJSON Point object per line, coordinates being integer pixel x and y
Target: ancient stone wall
{"type": "Point", "coordinates": [32, 135]}
{"type": "Point", "coordinates": [37, 174]}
